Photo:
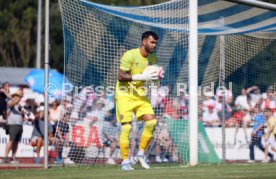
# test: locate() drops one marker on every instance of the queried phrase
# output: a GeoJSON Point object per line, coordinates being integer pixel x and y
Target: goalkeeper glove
{"type": "Point", "coordinates": [145, 76]}
{"type": "Point", "coordinates": [161, 73]}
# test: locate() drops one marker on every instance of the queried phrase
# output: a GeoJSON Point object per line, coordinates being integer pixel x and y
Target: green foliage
{"type": "Point", "coordinates": [17, 32]}
{"type": "Point", "coordinates": [56, 56]}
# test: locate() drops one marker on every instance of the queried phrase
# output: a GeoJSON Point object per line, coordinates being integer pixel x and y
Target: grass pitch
{"type": "Point", "coordinates": [158, 171]}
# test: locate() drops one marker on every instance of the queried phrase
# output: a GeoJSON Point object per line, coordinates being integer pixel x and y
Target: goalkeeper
{"type": "Point", "coordinates": [131, 96]}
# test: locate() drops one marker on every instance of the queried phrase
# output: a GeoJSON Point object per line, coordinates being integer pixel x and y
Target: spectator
{"type": "Point", "coordinates": [97, 114]}
{"type": "Point", "coordinates": [208, 101]}
{"type": "Point", "coordinates": [219, 106]}
{"type": "Point", "coordinates": [269, 90]}
{"type": "Point", "coordinates": [160, 99]}
{"type": "Point", "coordinates": [38, 133]}
{"type": "Point", "coordinates": [241, 101]}
{"type": "Point", "coordinates": [242, 117]}
{"type": "Point", "coordinates": [257, 134]}
{"type": "Point", "coordinates": [54, 114]}
{"type": "Point", "coordinates": [269, 101]}
{"type": "Point", "coordinates": [39, 98]}
{"type": "Point", "coordinates": [269, 137]}
{"type": "Point", "coordinates": [255, 96]}
{"type": "Point", "coordinates": [110, 138]}
{"type": "Point", "coordinates": [227, 93]}
{"type": "Point", "coordinates": [239, 117]}
{"type": "Point", "coordinates": [30, 105]}
{"type": "Point", "coordinates": [164, 145]}
{"type": "Point", "coordinates": [172, 109]}
{"type": "Point", "coordinates": [183, 102]}
{"type": "Point", "coordinates": [210, 117]}
{"type": "Point", "coordinates": [226, 109]}
{"type": "Point", "coordinates": [62, 131]}
{"type": "Point", "coordinates": [15, 117]}
{"type": "Point", "coordinates": [4, 96]}
{"type": "Point", "coordinates": [66, 106]}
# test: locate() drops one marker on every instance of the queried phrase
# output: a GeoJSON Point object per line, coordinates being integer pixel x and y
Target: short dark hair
{"type": "Point", "coordinates": [149, 33]}
{"type": "Point", "coordinates": [3, 84]}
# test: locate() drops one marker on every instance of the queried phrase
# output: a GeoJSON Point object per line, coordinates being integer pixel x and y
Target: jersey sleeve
{"type": "Point", "coordinates": [126, 61]}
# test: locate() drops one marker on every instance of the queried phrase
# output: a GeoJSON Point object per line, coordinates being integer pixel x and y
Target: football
{"type": "Point", "coordinates": [157, 69]}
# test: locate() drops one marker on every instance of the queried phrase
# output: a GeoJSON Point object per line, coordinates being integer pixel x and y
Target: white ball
{"type": "Point", "coordinates": [155, 69]}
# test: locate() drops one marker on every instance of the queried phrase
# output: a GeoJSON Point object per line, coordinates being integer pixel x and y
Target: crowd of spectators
{"type": "Point", "coordinates": [214, 108]}
{"type": "Point", "coordinates": [99, 111]}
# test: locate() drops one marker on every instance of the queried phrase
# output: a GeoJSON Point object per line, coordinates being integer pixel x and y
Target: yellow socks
{"type": "Point", "coordinates": [147, 134]}
{"type": "Point", "coordinates": [124, 140]}
{"type": "Point", "coordinates": [145, 137]}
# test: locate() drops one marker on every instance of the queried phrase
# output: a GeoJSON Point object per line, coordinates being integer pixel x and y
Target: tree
{"type": "Point", "coordinates": [17, 32]}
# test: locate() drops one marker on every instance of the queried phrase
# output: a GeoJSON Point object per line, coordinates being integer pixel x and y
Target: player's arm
{"type": "Point", "coordinates": [249, 90]}
{"type": "Point", "coordinates": [145, 76]}
{"type": "Point", "coordinates": [124, 76]}
{"type": "Point", "coordinates": [13, 102]}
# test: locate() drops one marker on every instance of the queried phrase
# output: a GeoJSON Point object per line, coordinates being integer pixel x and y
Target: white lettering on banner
{"type": "Point", "coordinates": [24, 147]}
{"type": "Point", "coordinates": [238, 151]}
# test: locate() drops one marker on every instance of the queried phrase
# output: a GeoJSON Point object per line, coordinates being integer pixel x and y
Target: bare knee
{"type": "Point", "coordinates": [148, 117]}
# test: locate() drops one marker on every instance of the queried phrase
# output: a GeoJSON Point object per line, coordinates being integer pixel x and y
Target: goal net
{"type": "Point", "coordinates": [96, 36]}
{"type": "Point", "coordinates": [246, 65]}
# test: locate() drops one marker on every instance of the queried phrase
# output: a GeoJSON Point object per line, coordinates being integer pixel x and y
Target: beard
{"type": "Point", "coordinates": [148, 49]}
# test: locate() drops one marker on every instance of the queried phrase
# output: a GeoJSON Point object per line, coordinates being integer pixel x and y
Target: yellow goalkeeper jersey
{"type": "Point", "coordinates": [135, 63]}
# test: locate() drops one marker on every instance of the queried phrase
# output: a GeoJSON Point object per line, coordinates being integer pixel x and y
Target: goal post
{"type": "Point", "coordinates": [193, 81]}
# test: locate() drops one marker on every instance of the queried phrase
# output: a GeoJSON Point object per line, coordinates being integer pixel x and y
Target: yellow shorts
{"type": "Point", "coordinates": [125, 106]}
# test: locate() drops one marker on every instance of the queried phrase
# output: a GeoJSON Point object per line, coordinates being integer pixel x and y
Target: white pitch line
{"type": "Point", "coordinates": [181, 166]}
